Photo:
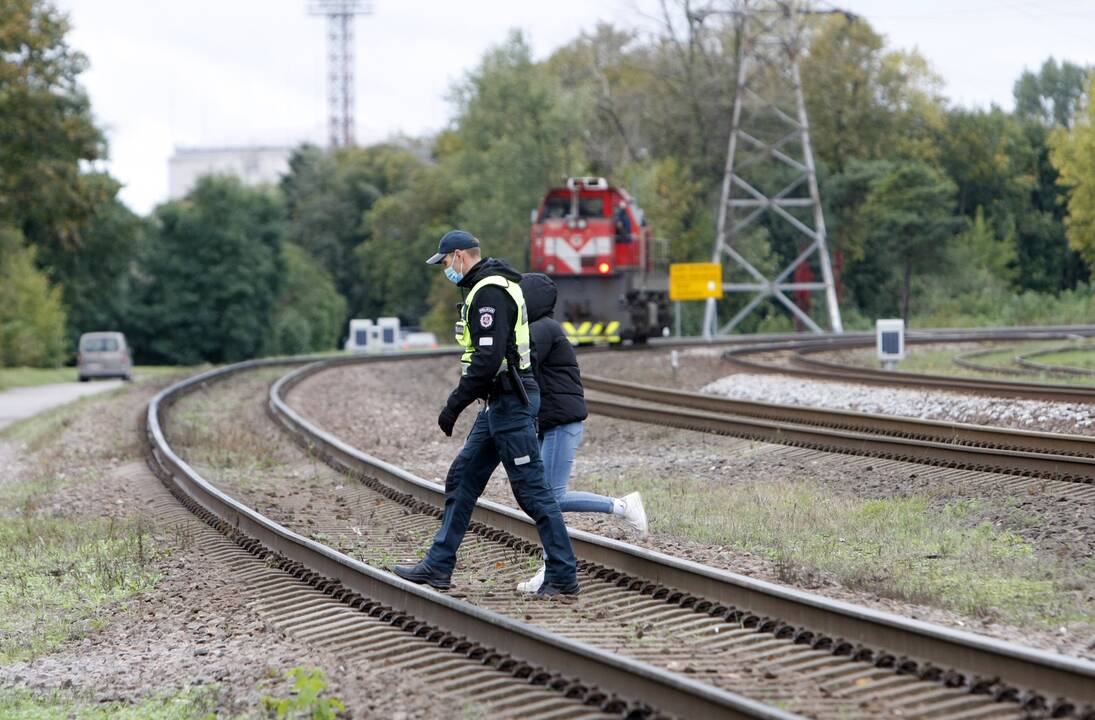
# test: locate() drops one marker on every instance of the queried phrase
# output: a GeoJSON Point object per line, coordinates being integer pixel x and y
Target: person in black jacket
{"type": "Point", "coordinates": [496, 368]}
{"type": "Point", "coordinates": [562, 412]}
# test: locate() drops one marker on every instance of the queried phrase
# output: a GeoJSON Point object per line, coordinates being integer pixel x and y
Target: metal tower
{"type": "Point", "coordinates": [767, 136]}
{"type": "Point", "coordinates": [340, 64]}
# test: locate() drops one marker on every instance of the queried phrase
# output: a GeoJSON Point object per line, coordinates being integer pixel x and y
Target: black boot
{"type": "Point", "coordinates": [423, 574]}
{"type": "Point", "coordinates": [550, 590]}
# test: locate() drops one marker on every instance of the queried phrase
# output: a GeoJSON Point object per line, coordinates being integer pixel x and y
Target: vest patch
{"type": "Point", "coordinates": [523, 460]}
{"type": "Point", "coordinates": [486, 319]}
{"type": "Point", "coordinates": [487, 340]}
{"type": "Point", "coordinates": [486, 308]}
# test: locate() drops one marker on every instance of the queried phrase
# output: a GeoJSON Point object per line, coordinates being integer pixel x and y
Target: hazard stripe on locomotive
{"type": "Point", "coordinates": [612, 274]}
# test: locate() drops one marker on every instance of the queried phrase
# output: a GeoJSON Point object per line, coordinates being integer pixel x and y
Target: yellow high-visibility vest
{"type": "Point", "coordinates": [521, 331]}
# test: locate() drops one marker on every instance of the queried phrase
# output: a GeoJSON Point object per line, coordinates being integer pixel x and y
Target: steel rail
{"type": "Point", "coordinates": [669, 692]}
{"type": "Point", "coordinates": [1056, 467]}
{"type": "Point", "coordinates": [1025, 361]}
{"type": "Point", "coordinates": [970, 437]}
{"type": "Point", "coordinates": [980, 658]}
{"type": "Point", "coordinates": [966, 360]}
{"type": "Point", "coordinates": [805, 366]}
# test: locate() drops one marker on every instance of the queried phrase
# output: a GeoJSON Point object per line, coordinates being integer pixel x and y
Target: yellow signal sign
{"type": "Point", "coordinates": [695, 281]}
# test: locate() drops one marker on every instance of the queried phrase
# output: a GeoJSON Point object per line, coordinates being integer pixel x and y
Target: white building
{"type": "Point", "coordinates": [253, 165]}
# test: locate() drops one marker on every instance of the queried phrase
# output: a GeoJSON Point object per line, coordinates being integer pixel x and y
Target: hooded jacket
{"type": "Point", "coordinates": [491, 319]}
{"type": "Point", "coordinates": [554, 362]}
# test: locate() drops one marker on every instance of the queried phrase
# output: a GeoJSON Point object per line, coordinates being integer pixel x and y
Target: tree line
{"type": "Point", "coordinates": [941, 214]}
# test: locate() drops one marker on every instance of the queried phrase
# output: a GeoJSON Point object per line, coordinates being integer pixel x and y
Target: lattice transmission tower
{"type": "Point", "coordinates": [340, 64]}
{"type": "Point", "coordinates": [770, 167]}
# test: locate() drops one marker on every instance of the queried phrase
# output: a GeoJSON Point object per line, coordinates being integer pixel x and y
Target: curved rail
{"type": "Point", "coordinates": [966, 360]}
{"type": "Point", "coordinates": [1040, 454]}
{"type": "Point", "coordinates": [1025, 361]}
{"type": "Point", "coordinates": [805, 366]}
{"type": "Point", "coordinates": [669, 692]}
{"type": "Point", "coordinates": [775, 606]}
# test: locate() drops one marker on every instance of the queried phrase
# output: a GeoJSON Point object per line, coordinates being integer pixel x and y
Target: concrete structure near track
{"type": "Point", "coordinates": [253, 165]}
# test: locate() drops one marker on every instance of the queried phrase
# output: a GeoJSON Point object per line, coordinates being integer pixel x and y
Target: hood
{"type": "Point", "coordinates": [540, 295]}
{"type": "Point", "coordinates": [489, 266]}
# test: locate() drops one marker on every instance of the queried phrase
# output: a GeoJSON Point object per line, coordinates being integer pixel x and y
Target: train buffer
{"type": "Point", "coordinates": [592, 333]}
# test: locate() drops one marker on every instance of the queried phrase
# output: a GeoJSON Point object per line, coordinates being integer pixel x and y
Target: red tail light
{"type": "Point", "coordinates": [603, 268]}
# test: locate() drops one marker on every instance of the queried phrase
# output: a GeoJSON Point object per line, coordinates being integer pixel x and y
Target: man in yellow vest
{"type": "Point", "coordinates": [496, 368]}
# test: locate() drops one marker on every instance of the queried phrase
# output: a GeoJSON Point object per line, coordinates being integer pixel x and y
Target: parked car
{"type": "Point", "coordinates": [103, 354]}
{"type": "Point", "coordinates": [420, 341]}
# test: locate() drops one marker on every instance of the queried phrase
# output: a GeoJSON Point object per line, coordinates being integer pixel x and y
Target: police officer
{"type": "Point", "coordinates": [496, 367]}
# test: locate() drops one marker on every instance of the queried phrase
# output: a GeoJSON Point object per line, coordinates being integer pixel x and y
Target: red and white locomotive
{"type": "Point", "coordinates": [613, 276]}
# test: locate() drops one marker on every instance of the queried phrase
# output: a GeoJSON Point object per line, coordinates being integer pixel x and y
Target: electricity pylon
{"type": "Point", "coordinates": [340, 64]}
{"type": "Point", "coordinates": [763, 129]}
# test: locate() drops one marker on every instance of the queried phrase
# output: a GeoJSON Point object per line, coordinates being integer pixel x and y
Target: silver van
{"type": "Point", "coordinates": [103, 354]}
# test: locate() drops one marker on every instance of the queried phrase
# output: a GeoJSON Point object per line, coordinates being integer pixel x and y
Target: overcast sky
{"type": "Point", "coordinates": [229, 72]}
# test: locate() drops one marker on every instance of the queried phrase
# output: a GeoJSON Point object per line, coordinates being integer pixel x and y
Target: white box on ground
{"type": "Point", "coordinates": [368, 336]}
{"type": "Point", "coordinates": [890, 341]}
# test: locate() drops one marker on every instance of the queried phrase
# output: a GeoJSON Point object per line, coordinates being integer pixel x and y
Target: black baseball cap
{"type": "Point", "coordinates": [453, 240]}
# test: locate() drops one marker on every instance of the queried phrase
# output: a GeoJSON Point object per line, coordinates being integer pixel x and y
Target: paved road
{"type": "Point", "coordinates": [19, 403]}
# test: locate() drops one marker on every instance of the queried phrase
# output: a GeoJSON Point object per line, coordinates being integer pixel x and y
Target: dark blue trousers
{"type": "Point", "coordinates": [503, 432]}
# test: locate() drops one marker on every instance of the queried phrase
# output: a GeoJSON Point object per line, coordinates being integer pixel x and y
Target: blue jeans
{"type": "Point", "coordinates": [558, 448]}
{"type": "Point", "coordinates": [503, 432]}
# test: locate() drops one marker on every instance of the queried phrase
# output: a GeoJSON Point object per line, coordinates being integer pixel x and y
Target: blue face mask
{"type": "Point", "coordinates": [451, 274]}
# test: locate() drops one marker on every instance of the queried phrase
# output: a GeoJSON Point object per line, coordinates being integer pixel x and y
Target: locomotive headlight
{"type": "Point", "coordinates": [603, 268]}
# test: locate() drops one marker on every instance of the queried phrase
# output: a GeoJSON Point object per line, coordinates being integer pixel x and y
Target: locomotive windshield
{"type": "Point", "coordinates": [589, 207]}
{"type": "Point", "coordinates": [557, 207]}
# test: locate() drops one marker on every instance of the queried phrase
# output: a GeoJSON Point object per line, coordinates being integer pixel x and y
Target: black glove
{"type": "Point", "coordinates": [446, 420]}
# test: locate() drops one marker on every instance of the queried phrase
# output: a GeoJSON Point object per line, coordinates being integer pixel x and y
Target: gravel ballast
{"type": "Point", "coordinates": [934, 405]}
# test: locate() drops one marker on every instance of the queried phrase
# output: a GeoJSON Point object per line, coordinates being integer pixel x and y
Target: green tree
{"type": "Point", "coordinates": [99, 274]}
{"type": "Point", "coordinates": [910, 220]}
{"type": "Point", "coordinates": [517, 133]}
{"type": "Point", "coordinates": [32, 319]}
{"type": "Point", "coordinates": [864, 101]}
{"type": "Point", "coordinates": [1073, 154]}
{"type": "Point", "coordinates": [401, 231]}
{"type": "Point", "coordinates": [328, 193]}
{"type": "Point", "coordinates": [310, 313]}
{"type": "Point", "coordinates": [212, 277]}
{"type": "Point", "coordinates": [46, 129]}
{"type": "Point", "coordinates": [1053, 95]}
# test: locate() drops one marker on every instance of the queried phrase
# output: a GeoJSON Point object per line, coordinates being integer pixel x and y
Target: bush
{"type": "Point", "coordinates": [311, 313]}
{"type": "Point", "coordinates": [32, 318]}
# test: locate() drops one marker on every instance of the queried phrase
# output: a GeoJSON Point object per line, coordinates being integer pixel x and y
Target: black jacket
{"type": "Point", "coordinates": [562, 399]}
{"type": "Point", "coordinates": [491, 320]}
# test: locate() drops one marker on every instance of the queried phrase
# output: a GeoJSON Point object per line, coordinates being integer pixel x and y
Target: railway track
{"type": "Point", "coordinates": [800, 362]}
{"type": "Point", "coordinates": [1067, 459]}
{"type": "Point", "coordinates": [969, 361]}
{"type": "Point", "coordinates": [1033, 365]}
{"type": "Point", "coordinates": [825, 652]}
{"type": "Point", "coordinates": [589, 681]}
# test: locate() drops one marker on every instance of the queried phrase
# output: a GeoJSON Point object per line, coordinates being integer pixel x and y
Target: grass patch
{"type": "Point", "coordinates": [934, 360]}
{"type": "Point", "coordinates": [32, 377]}
{"type": "Point", "coordinates": [1083, 358]}
{"type": "Point", "coordinates": [208, 425]}
{"type": "Point", "coordinates": [187, 704]}
{"type": "Point", "coordinates": [309, 697]}
{"type": "Point", "coordinates": [901, 547]}
{"type": "Point", "coordinates": [25, 497]}
{"type": "Point", "coordinates": [37, 430]}
{"type": "Point", "coordinates": [58, 571]}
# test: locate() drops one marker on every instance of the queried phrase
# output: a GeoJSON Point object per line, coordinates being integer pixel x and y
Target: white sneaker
{"type": "Point", "coordinates": [533, 583]}
{"type": "Point", "coordinates": [634, 512]}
